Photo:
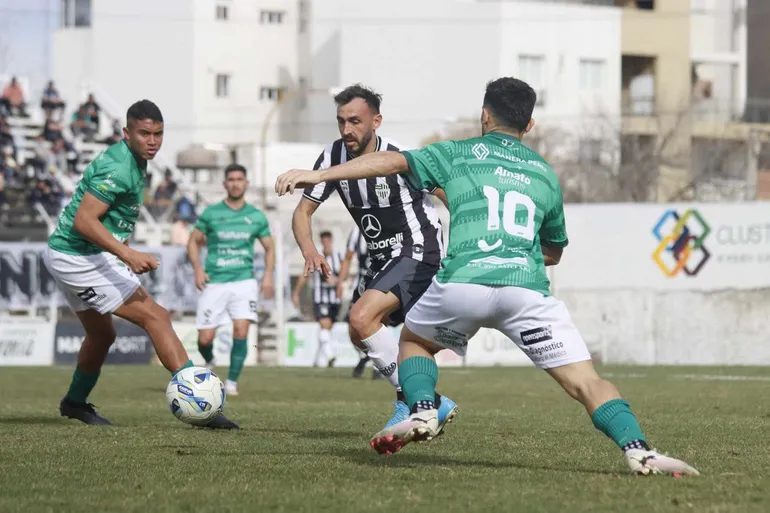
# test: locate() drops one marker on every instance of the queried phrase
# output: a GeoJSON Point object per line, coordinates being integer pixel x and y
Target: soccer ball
{"type": "Point", "coordinates": [195, 395]}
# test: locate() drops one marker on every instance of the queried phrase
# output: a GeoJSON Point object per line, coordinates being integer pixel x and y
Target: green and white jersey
{"type": "Point", "coordinates": [230, 236]}
{"type": "Point", "coordinates": [504, 202]}
{"type": "Point", "coordinates": [115, 178]}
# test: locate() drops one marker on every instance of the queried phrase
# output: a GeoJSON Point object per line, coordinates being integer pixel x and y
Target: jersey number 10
{"type": "Point", "coordinates": [511, 201]}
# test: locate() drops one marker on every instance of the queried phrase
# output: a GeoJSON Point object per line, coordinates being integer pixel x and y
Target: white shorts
{"type": "Point", "coordinates": [449, 314]}
{"type": "Point", "coordinates": [222, 302]}
{"type": "Point", "coordinates": [91, 282]}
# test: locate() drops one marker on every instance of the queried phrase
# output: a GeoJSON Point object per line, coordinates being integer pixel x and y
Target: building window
{"type": "Point", "coordinates": [223, 85]}
{"type": "Point", "coordinates": [592, 74]}
{"type": "Point", "coordinates": [223, 12]}
{"type": "Point", "coordinates": [272, 17]}
{"type": "Point", "coordinates": [270, 93]}
{"type": "Point", "coordinates": [532, 71]}
{"type": "Point", "coordinates": [76, 13]}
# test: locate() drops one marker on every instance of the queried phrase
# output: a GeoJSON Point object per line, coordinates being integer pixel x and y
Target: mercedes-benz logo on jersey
{"type": "Point", "coordinates": [371, 226]}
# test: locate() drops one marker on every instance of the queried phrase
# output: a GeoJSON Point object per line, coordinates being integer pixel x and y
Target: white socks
{"type": "Point", "coordinates": [382, 348]}
{"type": "Point", "coordinates": [324, 337]}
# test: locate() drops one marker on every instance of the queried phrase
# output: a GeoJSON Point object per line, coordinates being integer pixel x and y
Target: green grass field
{"type": "Point", "coordinates": [518, 444]}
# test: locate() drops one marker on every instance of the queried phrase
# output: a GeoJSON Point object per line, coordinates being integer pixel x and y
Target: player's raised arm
{"type": "Point", "coordinates": [380, 163]}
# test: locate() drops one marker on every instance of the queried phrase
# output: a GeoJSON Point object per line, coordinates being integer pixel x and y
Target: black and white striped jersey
{"type": "Point", "coordinates": [357, 244]}
{"type": "Point", "coordinates": [323, 291]}
{"type": "Point", "coordinates": [395, 219]}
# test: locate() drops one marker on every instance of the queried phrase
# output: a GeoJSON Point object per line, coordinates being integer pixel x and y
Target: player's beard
{"type": "Point", "coordinates": [362, 144]}
{"type": "Point", "coordinates": [232, 197]}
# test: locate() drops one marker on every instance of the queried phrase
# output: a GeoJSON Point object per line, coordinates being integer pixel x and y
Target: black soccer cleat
{"type": "Point", "coordinates": [360, 368]}
{"type": "Point", "coordinates": [221, 422]}
{"type": "Point", "coordinates": [84, 412]}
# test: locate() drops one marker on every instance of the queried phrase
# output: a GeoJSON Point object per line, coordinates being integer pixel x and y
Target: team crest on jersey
{"type": "Point", "coordinates": [344, 186]}
{"type": "Point", "coordinates": [382, 190]}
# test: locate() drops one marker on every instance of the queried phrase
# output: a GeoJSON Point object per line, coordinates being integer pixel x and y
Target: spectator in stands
{"type": "Point", "coordinates": [83, 124]}
{"type": "Point", "coordinates": [6, 139]}
{"type": "Point", "coordinates": [58, 158]}
{"type": "Point", "coordinates": [117, 133]}
{"type": "Point", "coordinates": [12, 101]}
{"type": "Point", "coordinates": [68, 181]}
{"type": "Point", "coordinates": [180, 231]}
{"type": "Point", "coordinates": [52, 102]}
{"type": "Point", "coordinates": [166, 190]}
{"type": "Point", "coordinates": [92, 111]}
{"type": "Point", "coordinates": [3, 204]}
{"type": "Point", "coordinates": [46, 193]}
{"type": "Point", "coordinates": [52, 130]}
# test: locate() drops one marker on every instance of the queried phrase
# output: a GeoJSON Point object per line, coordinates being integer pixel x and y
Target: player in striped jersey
{"type": "Point", "coordinates": [402, 230]}
{"type": "Point", "coordinates": [326, 301]}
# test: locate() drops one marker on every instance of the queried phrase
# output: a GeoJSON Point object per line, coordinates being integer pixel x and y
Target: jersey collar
{"type": "Point", "coordinates": [502, 137]}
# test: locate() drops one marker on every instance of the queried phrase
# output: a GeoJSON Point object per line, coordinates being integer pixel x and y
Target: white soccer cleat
{"type": "Point", "coordinates": [231, 387]}
{"type": "Point", "coordinates": [210, 365]}
{"type": "Point", "coordinates": [651, 462]}
{"type": "Point", "coordinates": [419, 427]}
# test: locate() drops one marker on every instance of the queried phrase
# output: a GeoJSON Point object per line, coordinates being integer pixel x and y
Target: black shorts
{"type": "Point", "coordinates": [405, 277]}
{"type": "Point", "coordinates": [326, 311]}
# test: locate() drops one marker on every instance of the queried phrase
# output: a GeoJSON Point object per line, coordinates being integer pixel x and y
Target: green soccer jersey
{"type": "Point", "coordinates": [115, 178]}
{"type": "Point", "coordinates": [504, 202]}
{"type": "Point", "coordinates": [230, 238]}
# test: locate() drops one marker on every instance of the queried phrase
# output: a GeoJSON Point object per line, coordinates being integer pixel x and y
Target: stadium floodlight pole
{"type": "Point", "coordinates": [283, 96]}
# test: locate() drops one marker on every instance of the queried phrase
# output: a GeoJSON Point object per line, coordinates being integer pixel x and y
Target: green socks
{"type": "Point", "coordinates": [82, 384]}
{"type": "Point", "coordinates": [183, 367]}
{"type": "Point", "coordinates": [614, 419]}
{"type": "Point", "coordinates": [237, 358]}
{"type": "Point", "coordinates": [207, 352]}
{"type": "Point", "coordinates": [418, 376]}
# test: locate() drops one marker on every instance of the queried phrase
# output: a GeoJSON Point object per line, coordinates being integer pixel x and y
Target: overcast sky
{"type": "Point", "coordinates": [25, 29]}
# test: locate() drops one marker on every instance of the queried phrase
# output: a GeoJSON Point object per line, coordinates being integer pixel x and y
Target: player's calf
{"type": "Point", "coordinates": [612, 416]}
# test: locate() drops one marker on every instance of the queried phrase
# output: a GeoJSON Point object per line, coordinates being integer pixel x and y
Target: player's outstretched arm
{"type": "Point", "coordinates": [441, 195]}
{"type": "Point", "coordinates": [87, 222]}
{"type": "Point", "coordinates": [268, 287]}
{"type": "Point", "coordinates": [378, 163]}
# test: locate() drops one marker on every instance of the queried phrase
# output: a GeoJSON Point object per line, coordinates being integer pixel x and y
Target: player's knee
{"type": "Point", "coordinates": [206, 338]}
{"type": "Point", "coordinates": [584, 387]}
{"type": "Point", "coordinates": [240, 332]}
{"type": "Point", "coordinates": [362, 318]}
{"type": "Point", "coordinates": [156, 314]}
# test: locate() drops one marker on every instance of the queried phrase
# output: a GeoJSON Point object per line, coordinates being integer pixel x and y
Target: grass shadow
{"type": "Point", "coordinates": [32, 420]}
{"type": "Point", "coordinates": [314, 434]}
{"type": "Point", "coordinates": [411, 460]}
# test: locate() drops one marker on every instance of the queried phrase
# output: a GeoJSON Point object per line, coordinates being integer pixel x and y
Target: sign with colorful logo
{"type": "Point", "coordinates": [681, 242]}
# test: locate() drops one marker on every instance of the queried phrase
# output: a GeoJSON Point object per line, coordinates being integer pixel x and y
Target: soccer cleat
{"type": "Point", "coordinates": [418, 427]}
{"type": "Point", "coordinates": [211, 365]}
{"type": "Point", "coordinates": [651, 462]}
{"type": "Point", "coordinates": [84, 412]}
{"type": "Point", "coordinates": [221, 422]}
{"type": "Point", "coordinates": [400, 414]}
{"type": "Point", "coordinates": [231, 387]}
{"type": "Point", "coordinates": [447, 409]}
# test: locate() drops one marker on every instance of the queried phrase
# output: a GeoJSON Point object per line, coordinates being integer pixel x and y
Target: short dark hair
{"type": "Point", "coordinates": [234, 167]}
{"type": "Point", "coordinates": [326, 234]}
{"type": "Point", "coordinates": [143, 109]}
{"type": "Point", "coordinates": [350, 93]}
{"type": "Point", "coordinates": [511, 102]}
